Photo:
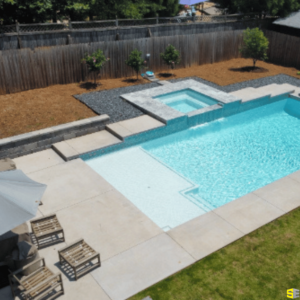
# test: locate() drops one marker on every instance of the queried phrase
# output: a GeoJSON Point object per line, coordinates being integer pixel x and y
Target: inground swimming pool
{"type": "Point", "coordinates": [183, 175]}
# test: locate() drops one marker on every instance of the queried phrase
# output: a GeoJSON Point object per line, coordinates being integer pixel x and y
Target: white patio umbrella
{"type": "Point", "coordinates": [19, 199]}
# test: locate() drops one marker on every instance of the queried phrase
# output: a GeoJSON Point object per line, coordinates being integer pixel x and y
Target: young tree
{"type": "Point", "coordinates": [135, 61]}
{"type": "Point", "coordinates": [95, 62]}
{"type": "Point", "coordinates": [171, 56]}
{"type": "Point", "coordinates": [255, 45]}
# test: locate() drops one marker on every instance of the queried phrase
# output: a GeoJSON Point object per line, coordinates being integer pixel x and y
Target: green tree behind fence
{"type": "Point", "coordinates": [39, 11]}
{"type": "Point", "coordinates": [274, 7]}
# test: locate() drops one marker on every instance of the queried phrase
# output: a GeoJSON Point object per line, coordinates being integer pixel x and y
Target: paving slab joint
{"type": "Point", "coordinates": [62, 155]}
{"type": "Point", "coordinates": [114, 133]}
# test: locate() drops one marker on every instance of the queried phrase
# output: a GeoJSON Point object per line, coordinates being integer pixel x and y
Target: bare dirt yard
{"type": "Point", "coordinates": [36, 109]}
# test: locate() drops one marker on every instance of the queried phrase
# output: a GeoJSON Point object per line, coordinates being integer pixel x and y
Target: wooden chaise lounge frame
{"type": "Point", "coordinates": [77, 255]}
{"type": "Point", "coordinates": [46, 226]}
{"type": "Point", "coordinates": [37, 284]}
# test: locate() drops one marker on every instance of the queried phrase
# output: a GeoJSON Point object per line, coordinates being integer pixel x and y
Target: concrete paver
{"type": "Point", "coordinates": [134, 126]}
{"type": "Point", "coordinates": [205, 235]}
{"type": "Point", "coordinates": [87, 288]}
{"type": "Point", "coordinates": [283, 193]}
{"type": "Point", "coordinates": [141, 266]}
{"type": "Point", "coordinates": [38, 161]}
{"type": "Point", "coordinates": [68, 184]}
{"type": "Point", "coordinates": [276, 89]}
{"type": "Point", "coordinates": [93, 141]}
{"type": "Point", "coordinates": [249, 94]}
{"type": "Point", "coordinates": [119, 130]}
{"type": "Point", "coordinates": [50, 253]}
{"type": "Point", "coordinates": [65, 150]}
{"type": "Point", "coordinates": [248, 213]}
{"type": "Point", "coordinates": [141, 123]}
{"type": "Point", "coordinates": [295, 176]}
{"type": "Point", "coordinates": [109, 223]}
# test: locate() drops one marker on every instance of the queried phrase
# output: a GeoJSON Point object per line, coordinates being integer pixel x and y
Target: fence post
{"type": "Point", "coordinates": [157, 20]}
{"type": "Point", "coordinates": [117, 21]}
{"type": "Point", "coordinates": [70, 24]}
{"type": "Point", "coordinates": [18, 34]}
{"type": "Point", "coordinates": [17, 27]}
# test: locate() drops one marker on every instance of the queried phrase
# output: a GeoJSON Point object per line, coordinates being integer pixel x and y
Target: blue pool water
{"type": "Point", "coordinates": [178, 177]}
{"type": "Point", "coordinates": [186, 100]}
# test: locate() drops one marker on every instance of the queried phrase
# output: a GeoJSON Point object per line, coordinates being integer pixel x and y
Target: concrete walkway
{"type": "Point", "coordinates": [135, 252]}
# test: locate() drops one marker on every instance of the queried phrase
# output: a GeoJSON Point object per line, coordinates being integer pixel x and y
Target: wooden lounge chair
{"type": "Point", "coordinates": [45, 227]}
{"type": "Point", "coordinates": [79, 256]}
{"type": "Point", "coordinates": [38, 284]}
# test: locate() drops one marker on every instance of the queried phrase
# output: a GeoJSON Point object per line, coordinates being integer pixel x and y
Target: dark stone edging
{"type": "Point", "coordinates": [31, 142]}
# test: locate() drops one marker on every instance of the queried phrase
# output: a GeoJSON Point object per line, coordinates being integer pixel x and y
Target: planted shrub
{"type": "Point", "coordinates": [255, 45]}
{"type": "Point", "coordinates": [95, 62]}
{"type": "Point", "coordinates": [135, 61]}
{"type": "Point", "coordinates": [171, 56]}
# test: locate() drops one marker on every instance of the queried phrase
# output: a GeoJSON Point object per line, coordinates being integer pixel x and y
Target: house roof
{"type": "Point", "coordinates": [293, 20]}
{"type": "Point", "coordinates": [212, 10]}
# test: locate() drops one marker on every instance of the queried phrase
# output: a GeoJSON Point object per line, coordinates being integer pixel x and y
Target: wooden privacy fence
{"type": "Point", "coordinates": [283, 49]}
{"type": "Point", "coordinates": [26, 69]}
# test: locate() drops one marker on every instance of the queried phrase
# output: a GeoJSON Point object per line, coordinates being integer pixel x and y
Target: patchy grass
{"type": "Point", "coordinates": [261, 265]}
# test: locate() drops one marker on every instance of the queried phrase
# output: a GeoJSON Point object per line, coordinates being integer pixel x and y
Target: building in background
{"type": "Point", "coordinates": [289, 25]}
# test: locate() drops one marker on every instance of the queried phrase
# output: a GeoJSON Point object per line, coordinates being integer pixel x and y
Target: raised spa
{"type": "Point", "coordinates": [186, 100]}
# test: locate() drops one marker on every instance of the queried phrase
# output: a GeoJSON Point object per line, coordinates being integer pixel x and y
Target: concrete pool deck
{"type": "Point", "coordinates": [135, 252]}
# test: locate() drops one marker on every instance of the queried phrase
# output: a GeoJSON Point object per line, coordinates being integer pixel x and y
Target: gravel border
{"type": "Point", "coordinates": [255, 83]}
{"type": "Point", "coordinates": [109, 101]}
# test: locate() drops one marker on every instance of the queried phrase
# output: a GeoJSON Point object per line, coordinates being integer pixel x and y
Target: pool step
{"type": "Point", "coordinates": [271, 90]}
{"type": "Point", "coordinates": [73, 148]}
{"type": "Point", "coordinates": [250, 93]}
{"type": "Point", "coordinates": [276, 89]}
{"type": "Point", "coordinates": [124, 129]}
